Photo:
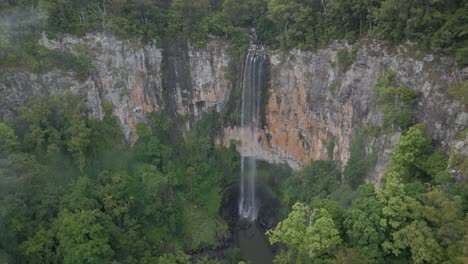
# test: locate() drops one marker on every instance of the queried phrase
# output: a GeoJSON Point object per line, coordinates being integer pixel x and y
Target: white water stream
{"type": "Point", "coordinates": [252, 83]}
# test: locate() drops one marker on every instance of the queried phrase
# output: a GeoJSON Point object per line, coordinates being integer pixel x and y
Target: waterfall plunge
{"type": "Point", "coordinates": [252, 83]}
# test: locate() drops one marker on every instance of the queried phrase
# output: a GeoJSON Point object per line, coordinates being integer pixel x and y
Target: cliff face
{"type": "Point", "coordinates": [313, 104]}
{"type": "Point", "coordinates": [135, 78]}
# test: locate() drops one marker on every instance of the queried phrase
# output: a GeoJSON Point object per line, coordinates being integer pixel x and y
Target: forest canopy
{"type": "Point", "coordinates": [434, 25]}
{"type": "Point", "coordinates": [72, 190]}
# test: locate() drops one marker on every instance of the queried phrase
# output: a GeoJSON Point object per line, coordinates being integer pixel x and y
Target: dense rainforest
{"type": "Point", "coordinates": [72, 190]}
{"type": "Point", "coordinates": [436, 25]}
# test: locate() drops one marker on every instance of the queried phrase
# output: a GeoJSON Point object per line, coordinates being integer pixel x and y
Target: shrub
{"type": "Point", "coordinates": [460, 93]}
{"type": "Point", "coordinates": [395, 102]}
{"type": "Point", "coordinates": [461, 57]}
{"type": "Point", "coordinates": [346, 58]}
{"type": "Point", "coordinates": [359, 164]}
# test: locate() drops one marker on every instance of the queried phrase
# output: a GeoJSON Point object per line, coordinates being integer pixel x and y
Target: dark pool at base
{"type": "Point", "coordinates": [253, 243]}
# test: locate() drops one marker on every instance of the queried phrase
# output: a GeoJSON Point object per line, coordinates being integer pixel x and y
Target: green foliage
{"type": "Point", "coordinates": [236, 12]}
{"type": "Point", "coordinates": [308, 233]}
{"type": "Point", "coordinates": [459, 162]}
{"type": "Point", "coordinates": [400, 211]}
{"type": "Point", "coordinates": [405, 217]}
{"type": "Point", "coordinates": [395, 102]}
{"type": "Point", "coordinates": [8, 140]}
{"type": "Point", "coordinates": [149, 202]}
{"type": "Point", "coordinates": [319, 179]}
{"type": "Point", "coordinates": [336, 211]}
{"type": "Point", "coordinates": [332, 87]}
{"type": "Point", "coordinates": [21, 27]}
{"type": "Point", "coordinates": [343, 195]}
{"type": "Point", "coordinates": [359, 164]}
{"type": "Point", "coordinates": [81, 196]}
{"type": "Point", "coordinates": [215, 24]}
{"type": "Point", "coordinates": [418, 237]}
{"type": "Point", "coordinates": [84, 236]}
{"type": "Point", "coordinates": [40, 247]}
{"type": "Point", "coordinates": [448, 214]}
{"type": "Point", "coordinates": [416, 217]}
{"type": "Point", "coordinates": [330, 146]}
{"type": "Point", "coordinates": [187, 17]}
{"type": "Point", "coordinates": [453, 35]}
{"type": "Point", "coordinates": [311, 24]}
{"type": "Point", "coordinates": [55, 124]}
{"type": "Point", "coordinates": [460, 93]}
{"type": "Point", "coordinates": [279, 23]}
{"type": "Point", "coordinates": [291, 18]}
{"type": "Point", "coordinates": [362, 223]}
{"type": "Point", "coordinates": [71, 190]}
{"type": "Point", "coordinates": [348, 256]}
{"type": "Point", "coordinates": [238, 40]}
{"type": "Point", "coordinates": [412, 156]}
{"type": "Point", "coordinates": [205, 230]}
{"type": "Point", "coordinates": [461, 59]}
{"type": "Point", "coordinates": [205, 260]}
{"type": "Point", "coordinates": [435, 163]}
{"type": "Point", "coordinates": [179, 258]}
{"type": "Point", "coordinates": [346, 58]}
{"type": "Point", "coordinates": [267, 31]}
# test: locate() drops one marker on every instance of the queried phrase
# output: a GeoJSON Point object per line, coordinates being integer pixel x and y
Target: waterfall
{"type": "Point", "coordinates": [252, 84]}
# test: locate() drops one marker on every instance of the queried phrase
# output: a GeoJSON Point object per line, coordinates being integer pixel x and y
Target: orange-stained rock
{"type": "Point", "coordinates": [313, 110]}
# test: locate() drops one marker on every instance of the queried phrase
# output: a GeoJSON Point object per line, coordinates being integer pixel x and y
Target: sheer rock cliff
{"type": "Point", "coordinates": [312, 108]}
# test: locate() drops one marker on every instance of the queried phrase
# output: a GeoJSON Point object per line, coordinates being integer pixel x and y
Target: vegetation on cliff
{"type": "Point", "coordinates": [419, 215]}
{"type": "Point", "coordinates": [432, 25]}
{"type": "Point", "coordinates": [72, 191]}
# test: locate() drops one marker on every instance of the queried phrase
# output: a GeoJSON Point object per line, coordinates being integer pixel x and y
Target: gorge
{"type": "Point", "coordinates": [284, 107]}
{"type": "Point", "coordinates": [233, 131]}
{"type": "Point", "coordinates": [311, 108]}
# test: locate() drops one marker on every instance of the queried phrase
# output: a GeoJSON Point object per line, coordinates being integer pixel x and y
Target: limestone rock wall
{"type": "Point", "coordinates": [313, 104]}
{"type": "Point", "coordinates": [129, 75]}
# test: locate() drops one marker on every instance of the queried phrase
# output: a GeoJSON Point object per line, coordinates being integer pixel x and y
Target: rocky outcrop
{"type": "Point", "coordinates": [313, 104]}
{"type": "Point", "coordinates": [129, 75]}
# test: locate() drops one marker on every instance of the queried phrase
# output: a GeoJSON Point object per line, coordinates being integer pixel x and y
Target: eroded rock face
{"type": "Point", "coordinates": [313, 107]}
{"type": "Point", "coordinates": [130, 76]}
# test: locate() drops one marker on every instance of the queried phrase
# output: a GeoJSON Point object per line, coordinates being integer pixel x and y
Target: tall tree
{"type": "Point", "coordinates": [84, 236]}
{"type": "Point", "coordinates": [293, 17]}
{"type": "Point", "coordinates": [189, 13]}
{"type": "Point", "coordinates": [8, 139]}
{"type": "Point", "coordinates": [236, 12]}
{"type": "Point", "coordinates": [309, 233]}
{"type": "Point", "coordinates": [363, 223]}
